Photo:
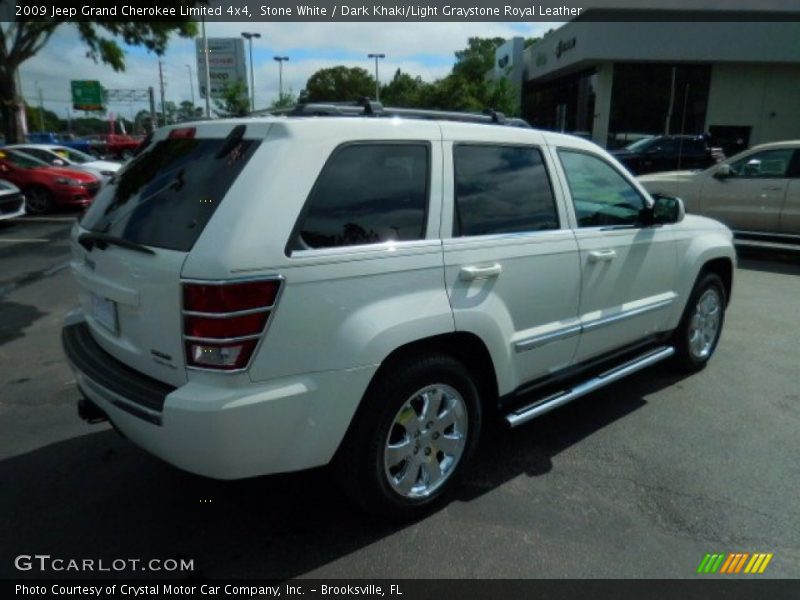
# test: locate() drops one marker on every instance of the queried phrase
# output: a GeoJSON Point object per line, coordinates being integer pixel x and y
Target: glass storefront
{"type": "Point", "coordinates": [649, 99]}
{"type": "Point", "coordinates": [646, 99]}
{"type": "Point", "coordinates": [565, 104]}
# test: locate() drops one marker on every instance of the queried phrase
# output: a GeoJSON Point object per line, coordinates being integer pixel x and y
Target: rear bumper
{"type": "Point", "coordinates": [222, 431]}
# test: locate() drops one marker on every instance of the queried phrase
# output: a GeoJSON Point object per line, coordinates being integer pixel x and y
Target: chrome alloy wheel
{"type": "Point", "coordinates": [426, 440]}
{"type": "Point", "coordinates": [705, 323]}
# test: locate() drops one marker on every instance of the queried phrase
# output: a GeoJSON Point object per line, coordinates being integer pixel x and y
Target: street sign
{"type": "Point", "coordinates": [226, 64]}
{"type": "Point", "coordinates": [87, 95]}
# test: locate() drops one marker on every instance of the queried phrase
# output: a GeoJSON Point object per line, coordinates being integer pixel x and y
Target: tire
{"type": "Point", "coordinates": [38, 200]}
{"type": "Point", "coordinates": [415, 432]}
{"type": "Point", "coordinates": [697, 335]}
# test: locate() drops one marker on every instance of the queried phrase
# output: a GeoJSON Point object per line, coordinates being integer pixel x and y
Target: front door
{"type": "Point", "coordinates": [751, 198]}
{"type": "Point", "coordinates": [627, 269]}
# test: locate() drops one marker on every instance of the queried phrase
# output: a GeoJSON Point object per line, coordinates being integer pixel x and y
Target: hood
{"type": "Point", "coordinates": [82, 176]}
{"type": "Point", "coordinates": [103, 165]}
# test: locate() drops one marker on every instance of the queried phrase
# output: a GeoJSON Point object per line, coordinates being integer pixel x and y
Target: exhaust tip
{"type": "Point", "coordinates": [90, 412]}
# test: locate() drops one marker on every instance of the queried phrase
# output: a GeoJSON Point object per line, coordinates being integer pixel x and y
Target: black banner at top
{"type": "Point", "coordinates": [400, 10]}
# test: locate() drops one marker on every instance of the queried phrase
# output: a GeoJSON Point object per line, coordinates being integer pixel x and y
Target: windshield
{"type": "Point", "coordinates": [640, 145]}
{"type": "Point", "coordinates": [21, 160]}
{"type": "Point", "coordinates": [166, 195]}
{"type": "Point", "coordinates": [75, 156]}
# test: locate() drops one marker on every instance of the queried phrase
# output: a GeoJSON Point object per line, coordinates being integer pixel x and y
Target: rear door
{"type": "Point", "coordinates": [129, 248]}
{"type": "Point", "coordinates": [511, 262]}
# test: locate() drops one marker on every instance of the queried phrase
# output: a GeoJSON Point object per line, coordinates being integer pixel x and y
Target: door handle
{"type": "Point", "coordinates": [601, 255]}
{"type": "Point", "coordinates": [772, 189]}
{"type": "Point", "coordinates": [471, 273]}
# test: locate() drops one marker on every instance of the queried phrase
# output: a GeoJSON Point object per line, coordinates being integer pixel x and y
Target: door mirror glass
{"type": "Point", "coordinates": [723, 171]}
{"type": "Point", "coordinates": [667, 209]}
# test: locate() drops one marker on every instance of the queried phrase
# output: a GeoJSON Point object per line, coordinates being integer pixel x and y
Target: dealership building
{"type": "Point", "coordinates": [614, 82]}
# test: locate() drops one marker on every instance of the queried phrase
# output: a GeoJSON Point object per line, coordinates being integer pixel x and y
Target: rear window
{"type": "Point", "coordinates": [165, 196]}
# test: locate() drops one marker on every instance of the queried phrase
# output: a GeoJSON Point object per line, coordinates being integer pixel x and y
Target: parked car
{"type": "Point", "coordinates": [113, 146]}
{"type": "Point", "coordinates": [756, 192]}
{"type": "Point", "coordinates": [12, 201]}
{"type": "Point", "coordinates": [61, 139]}
{"type": "Point", "coordinates": [62, 156]}
{"type": "Point", "coordinates": [667, 153]}
{"type": "Point", "coordinates": [272, 294]}
{"type": "Point", "coordinates": [46, 186]}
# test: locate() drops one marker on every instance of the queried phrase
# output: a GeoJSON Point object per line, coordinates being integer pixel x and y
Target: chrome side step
{"type": "Point", "coordinates": [544, 405]}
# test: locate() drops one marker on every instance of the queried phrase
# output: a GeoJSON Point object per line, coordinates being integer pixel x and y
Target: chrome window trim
{"type": "Point", "coordinates": [385, 247]}
{"type": "Point", "coordinates": [226, 315]}
{"type": "Point", "coordinates": [230, 340]}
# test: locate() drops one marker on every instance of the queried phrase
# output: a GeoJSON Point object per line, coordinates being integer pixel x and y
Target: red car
{"type": "Point", "coordinates": [113, 145]}
{"type": "Point", "coordinates": [46, 186]}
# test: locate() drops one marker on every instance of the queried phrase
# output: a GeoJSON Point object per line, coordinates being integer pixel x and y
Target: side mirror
{"type": "Point", "coordinates": [58, 162]}
{"type": "Point", "coordinates": [4, 168]}
{"type": "Point", "coordinates": [667, 210]}
{"type": "Point", "coordinates": [723, 171]}
{"type": "Point", "coordinates": [654, 150]}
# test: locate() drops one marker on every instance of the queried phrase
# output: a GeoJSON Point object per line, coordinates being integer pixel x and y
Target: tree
{"type": "Point", "coordinates": [234, 102]}
{"type": "Point", "coordinates": [404, 91]}
{"type": "Point", "coordinates": [22, 39]}
{"type": "Point", "coordinates": [188, 111]}
{"type": "Point", "coordinates": [338, 84]}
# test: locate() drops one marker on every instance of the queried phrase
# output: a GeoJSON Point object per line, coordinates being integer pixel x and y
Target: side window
{"type": "Point", "coordinates": [501, 189]}
{"type": "Point", "coordinates": [769, 164]}
{"type": "Point", "coordinates": [367, 194]}
{"type": "Point", "coordinates": [794, 168]}
{"type": "Point", "coordinates": [667, 146]}
{"type": "Point", "coordinates": [601, 195]}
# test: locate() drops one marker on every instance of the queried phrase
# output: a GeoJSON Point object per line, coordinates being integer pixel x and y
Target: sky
{"type": "Point", "coordinates": [425, 49]}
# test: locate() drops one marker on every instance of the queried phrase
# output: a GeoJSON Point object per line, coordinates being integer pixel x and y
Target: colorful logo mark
{"type": "Point", "coordinates": [734, 563]}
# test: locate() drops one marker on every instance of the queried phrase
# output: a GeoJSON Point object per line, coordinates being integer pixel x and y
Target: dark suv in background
{"type": "Point", "coordinates": [668, 153]}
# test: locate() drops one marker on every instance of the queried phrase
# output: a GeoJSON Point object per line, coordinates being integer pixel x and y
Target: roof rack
{"type": "Point", "coordinates": [366, 107]}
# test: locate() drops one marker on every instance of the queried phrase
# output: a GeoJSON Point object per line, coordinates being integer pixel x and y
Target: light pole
{"type": "Point", "coordinates": [191, 85]}
{"type": "Point", "coordinates": [280, 60]}
{"type": "Point", "coordinates": [377, 81]}
{"type": "Point", "coordinates": [249, 37]}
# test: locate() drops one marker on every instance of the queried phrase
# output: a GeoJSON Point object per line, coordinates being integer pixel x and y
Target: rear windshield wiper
{"type": "Point", "coordinates": [102, 240]}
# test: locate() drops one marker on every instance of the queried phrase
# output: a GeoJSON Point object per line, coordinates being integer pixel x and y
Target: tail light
{"type": "Point", "coordinates": [222, 323]}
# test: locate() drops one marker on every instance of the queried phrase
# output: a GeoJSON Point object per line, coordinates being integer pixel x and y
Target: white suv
{"type": "Point", "coordinates": [277, 293]}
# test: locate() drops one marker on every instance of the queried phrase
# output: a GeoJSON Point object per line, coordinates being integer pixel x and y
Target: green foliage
{"type": "Point", "coordinates": [404, 91]}
{"type": "Point", "coordinates": [234, 102]}
{"type": "Point", "coordinates": [188, 111]}
{"type": "Point", "coordinates": [466, 88]}
{"type": "Point", "coordinates": [338, 84]}
{"type": "Point", "coordinates": [285, 100]}
{"type": "Point", "coordinates": [22, 39]}
{"type": "Point", "coordinates": [45, 120]}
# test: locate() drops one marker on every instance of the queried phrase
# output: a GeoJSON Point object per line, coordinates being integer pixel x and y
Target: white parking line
{"type": "Point", "coordinates": [23, 240]}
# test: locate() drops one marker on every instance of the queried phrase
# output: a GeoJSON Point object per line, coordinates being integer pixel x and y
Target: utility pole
{"type": "Point", "coordinates": [191, 85]}
{"type": "Point", "coordinates": [161, 84]}
{"type": "Point", "coordinates": [207, 69]}
{"type": "Point", "coordinates": [377, 80]}
{"type": "Point", "coordinates": [152, 97]}
{"type": "Point", "coordinates": [281, 60]}
{"type": "Point", "coordinates": [69, 121]}
{"type": "Point", "coordinates": [41, 107]}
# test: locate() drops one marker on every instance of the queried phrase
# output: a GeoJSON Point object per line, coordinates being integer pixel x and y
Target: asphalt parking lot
{"type": "Point", "coordinates": [641, 479]}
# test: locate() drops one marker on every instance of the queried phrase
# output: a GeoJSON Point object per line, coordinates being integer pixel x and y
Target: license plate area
{"type": "Point", "coordinates": [104, 312]}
